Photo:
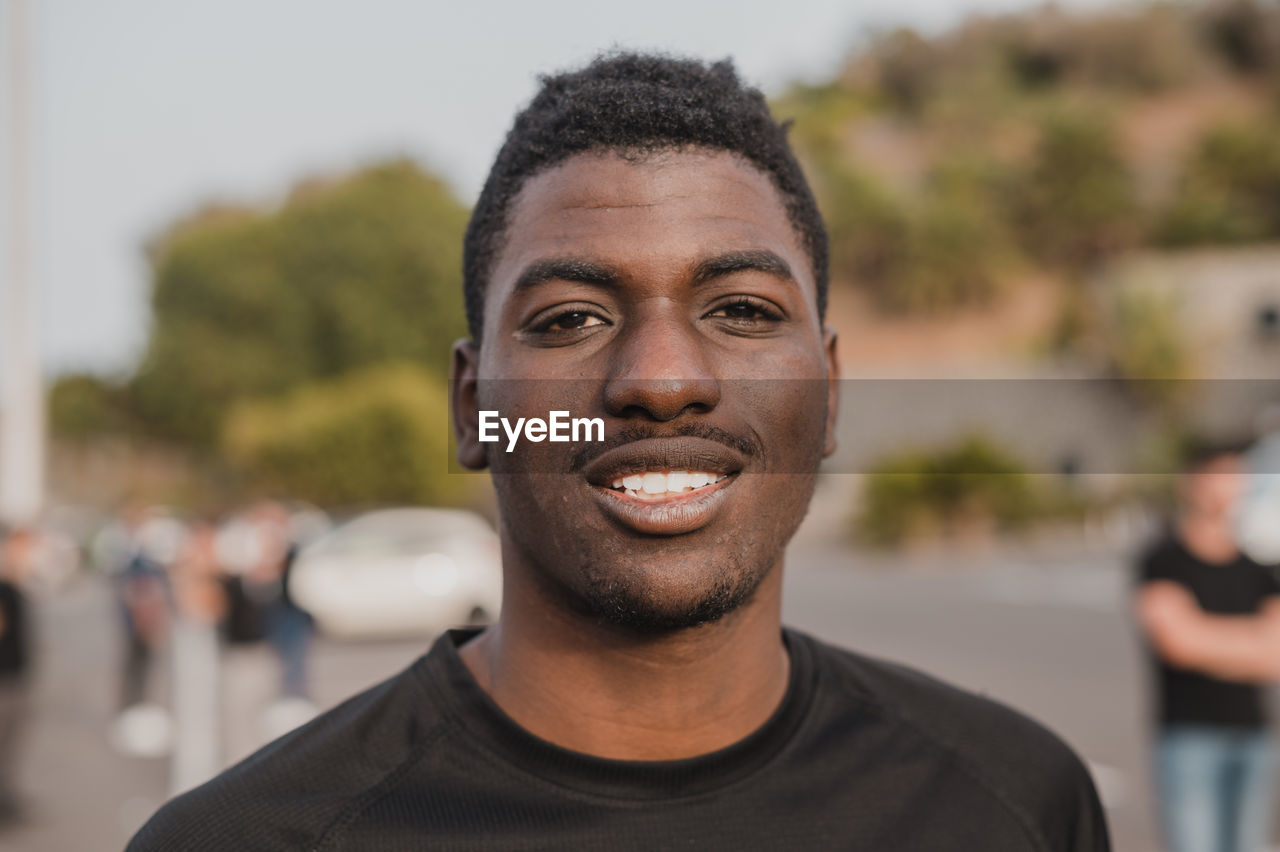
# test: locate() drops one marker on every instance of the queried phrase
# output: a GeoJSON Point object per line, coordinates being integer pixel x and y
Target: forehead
{"type": "Point", "coordinates": [665, 207]}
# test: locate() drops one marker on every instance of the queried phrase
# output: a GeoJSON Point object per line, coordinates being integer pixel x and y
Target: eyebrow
{"type": "Point", "coordinates": [597, 274]}
{"type": "Point", "coordinates": [566, 269]}
{"type": "Point", "coordinates": [758, 260]}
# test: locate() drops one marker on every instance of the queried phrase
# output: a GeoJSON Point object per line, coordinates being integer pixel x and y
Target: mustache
{"type": "Point", "coordinates": [585, 454]}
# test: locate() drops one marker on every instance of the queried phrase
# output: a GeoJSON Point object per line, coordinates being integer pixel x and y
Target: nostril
{"type": "Point", "coordinates": [661, 400]}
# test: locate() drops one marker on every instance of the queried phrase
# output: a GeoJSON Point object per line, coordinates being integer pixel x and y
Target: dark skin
{"type": "Point", "coordinates": [670, 296]}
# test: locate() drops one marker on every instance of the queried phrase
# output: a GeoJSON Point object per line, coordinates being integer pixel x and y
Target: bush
{"type": "Point", "coordinates": [1148, 340]}
{"type": "Point", "coordinates": [1076, 204]}
{"type": "Point", "coordinates": [378, 435]}
{"type": "Point", "coordinates": [938, 253]}
{"type": "Point", "coordinates": [1230, 188]}
{"type": "Point", "coordinates": [957, 243]}
{"type": "Point", "coordinates": [1147, 344]}
{"type": "Point", "coordinates": [83, 406]}
{"type": "Point", "coordinates": [868, 228]}
{"type": "Point", "coordinates": [918, 492]}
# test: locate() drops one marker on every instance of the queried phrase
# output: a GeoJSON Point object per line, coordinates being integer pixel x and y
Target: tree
{"type": "Point", "coordinates": [1076, 202]}
{"type": "Point", "coordinates": [345, 273]}
{"type": "Point", "coordinates": [915, 492]}
{"type": "Point", "coordinates": [84, 406]}
{"type": "Point", "coordinates": [1230, 188]}
{"type": "Point", "coordinates": [375, 435]}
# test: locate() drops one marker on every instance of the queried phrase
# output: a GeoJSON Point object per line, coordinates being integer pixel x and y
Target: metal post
{"type": "Point", "coordinates": [21, 386]}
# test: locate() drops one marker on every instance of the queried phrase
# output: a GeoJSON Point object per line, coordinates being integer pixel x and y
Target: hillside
{"type": "Point", "coordinates": [976, 182]}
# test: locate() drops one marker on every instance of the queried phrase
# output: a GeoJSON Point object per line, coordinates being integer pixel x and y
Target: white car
{"type": "Point", "coordinates": [401, 572]}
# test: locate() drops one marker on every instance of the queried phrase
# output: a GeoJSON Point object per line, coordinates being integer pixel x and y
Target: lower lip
{"type": "Point", "coordinates": [671, 516]}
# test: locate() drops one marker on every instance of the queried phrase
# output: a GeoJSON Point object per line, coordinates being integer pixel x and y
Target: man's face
{"type": "Point", "coordinates": [671, 297]}
{"type": "Point", "coordinates": [1214, 488]}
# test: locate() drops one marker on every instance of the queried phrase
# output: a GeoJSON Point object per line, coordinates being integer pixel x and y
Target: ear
{"type": "Point", "coordinates": [833, 389]}
{"type": "Point", "coordinates": [463, 371]}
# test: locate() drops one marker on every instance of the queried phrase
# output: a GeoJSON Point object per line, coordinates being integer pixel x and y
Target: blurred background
{"type": "Point", "coordinates": [232, 277]}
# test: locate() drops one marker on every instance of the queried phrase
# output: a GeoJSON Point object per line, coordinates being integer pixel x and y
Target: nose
{"type": "Point", "coordinates": [659, 370]}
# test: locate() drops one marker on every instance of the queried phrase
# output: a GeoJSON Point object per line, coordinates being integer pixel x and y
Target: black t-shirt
{"type": "Point", "coordinates": [13, 632]}
{"type": "Point", "coordinates": [1236, 588]}
{"type": "Point", "coordinates": [860, 755]}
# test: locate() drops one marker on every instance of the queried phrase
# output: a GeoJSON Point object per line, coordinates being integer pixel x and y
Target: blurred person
{"type": "Point", "coordinates": [17, 555]}
{"type": "Point", "coordinates": [1211, 616]}
{"type": "Point", "coordinates": [200, 606]}
{"type": "Point", "coordinates": [645, 239]}
{"type": "Point", "coordinates": [287, 627]}
{"type": "Point", "coordinates": [136, 549]}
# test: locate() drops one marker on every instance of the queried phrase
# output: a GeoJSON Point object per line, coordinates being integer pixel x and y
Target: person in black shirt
{"type": "Point", "coordinates": [1212, 619]}
{"type": "Point", "coordinates": [646, 251]}
{"type": "Point", "coordinates": [16, 553]}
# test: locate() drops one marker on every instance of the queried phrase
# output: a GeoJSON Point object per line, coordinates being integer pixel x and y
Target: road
{"type": "Point", "coordinates": [1048, 636]}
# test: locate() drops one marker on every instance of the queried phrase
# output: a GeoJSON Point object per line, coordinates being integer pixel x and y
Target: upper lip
{"type": "Point", "coordinates": [663, 454]}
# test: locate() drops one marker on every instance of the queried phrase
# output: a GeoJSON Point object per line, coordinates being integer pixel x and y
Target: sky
{"type": "Point", "coordinates": [146, 109]}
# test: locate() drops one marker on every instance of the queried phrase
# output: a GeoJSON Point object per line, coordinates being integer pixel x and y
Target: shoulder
{"type": "Point", "coordinates": [12, 600]}
{"type": "Point", "coordinates": [1266, 576]}
{"type": "Point", "coordinates": [1163, 558]}
{"type": "Point", "coordinates": [290, 792]}
{"type": "Point", "coordinates": [1026, 768]}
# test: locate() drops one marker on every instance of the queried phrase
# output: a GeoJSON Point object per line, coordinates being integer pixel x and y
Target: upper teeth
{"type": "Point", "coordinates": [669, 482]}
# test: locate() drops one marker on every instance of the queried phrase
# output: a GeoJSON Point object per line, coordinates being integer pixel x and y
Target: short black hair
{"type": "Point", "coordinates": [1199, 452]}
{"type": "Point", "coordinates": [637, 103]}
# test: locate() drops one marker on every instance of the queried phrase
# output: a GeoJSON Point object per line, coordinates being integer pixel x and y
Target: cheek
{"type": "Point", "coordinates": [519, 401]}
{"type": "Point", "coordinates": [791, 420]}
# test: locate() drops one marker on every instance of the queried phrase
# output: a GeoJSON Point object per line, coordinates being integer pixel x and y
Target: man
{"type": "Point", "coordinates": [1212, 618]}
{"type": "Point", "coordinates": [646, 251]}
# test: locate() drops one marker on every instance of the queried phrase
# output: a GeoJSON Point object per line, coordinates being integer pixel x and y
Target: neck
{"type": "Point", "coordinates": [597, 689]}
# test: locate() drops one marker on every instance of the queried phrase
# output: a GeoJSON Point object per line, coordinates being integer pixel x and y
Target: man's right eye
{"type": "Point", "coordinates": [565, 324]}
{"type": "Point", "coordinates": [572, 320]}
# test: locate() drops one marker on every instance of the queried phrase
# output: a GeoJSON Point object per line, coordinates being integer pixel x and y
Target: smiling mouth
{"type": "Point", "coordinates": [665, 486]}
{"type": "Point", "coordinates": [658, 486]}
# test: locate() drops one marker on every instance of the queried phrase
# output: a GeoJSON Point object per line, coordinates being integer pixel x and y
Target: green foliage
{"type": "Point", "coordinates": [917, 493]}
{"type": "Point", "coordinates": [952, 257]}
{"type": "Point", "coordinates": [376, 435]}
{"type": "Point", "coordinates": [959, 239]}
{"type": "Point", "coordinates": [819, 113]}
{"type": "Point", "coordinates": [940, 252]}
{"type": "Point", "coordinates": [1030, 95]}
{"type": "Point", "coordinates": [1148, 346]}
{"type": "Point", "coordinates": [1230, 188]}
{"type": "Point", "coordinates": [1141, 48]}
{"type": "Point", "coordinates": [1149, 341]}
{"type": "Point", "coordinates": [1030, 98]}
{"type": "Point", "coordinates": [83, 406]}
{"type": "Point", "coordinates": [867, 227]}
{"type": "Point", "coordinates": [344, 274]}
{"type": "Point", "coordinates": [1076, 203]}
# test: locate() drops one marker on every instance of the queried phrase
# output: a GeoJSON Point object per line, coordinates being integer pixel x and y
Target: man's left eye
{"type": "Point", "coordinates": [745, 310]}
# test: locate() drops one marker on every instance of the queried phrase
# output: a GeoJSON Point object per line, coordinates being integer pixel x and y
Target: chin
{"type": "Point", "coordinates": [655, 605]}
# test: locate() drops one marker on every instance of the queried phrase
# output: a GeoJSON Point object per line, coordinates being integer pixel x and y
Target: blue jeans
{"type": "Point", "coordinates": [289, 632]}
{"type": "Point", "coordinates": [1215, 788]}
